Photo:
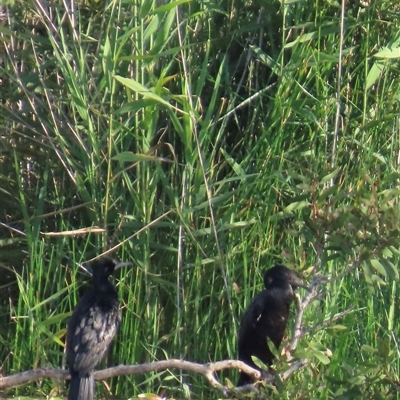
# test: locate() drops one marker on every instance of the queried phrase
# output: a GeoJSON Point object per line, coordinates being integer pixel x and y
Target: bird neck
{"type": "Point", "coordinates": [103, 285]}
{"type": "Point", "coordinates": [282, 290]}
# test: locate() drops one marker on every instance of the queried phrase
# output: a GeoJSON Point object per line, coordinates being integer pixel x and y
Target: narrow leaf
{"type": "Point", "coordinates": [378, 266]}
{"type": "Point", "coordinates": [298, 205]}
{"type": "Point", "coordinates": [330, 176]}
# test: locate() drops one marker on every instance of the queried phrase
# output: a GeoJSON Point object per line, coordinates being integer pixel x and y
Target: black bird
{"type": "Point", "coordinates": [265, 317]}
{"type": "Point", "coordinates": [91, 329]}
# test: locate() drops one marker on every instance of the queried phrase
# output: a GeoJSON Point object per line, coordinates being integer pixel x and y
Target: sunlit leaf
{"type": "Point", "coordinates": [387, 252]}
{"type": "Point", "coordinates": [259, 363]}
{"type": "Point", "coordinates": [151, 396]}
{"type": "Point", "coordinates": [321, 357]}
{"type": "Point", "coordinates": [128, 156]}
{"type": "Point", "coordinates": [369, 349]}
{"type": "Point", "coordinates": [338, 327]}
{"type": "Point", "coordinates": [378, 266]}
{"type": "Point", "coordinates": [330, 176]}
{"type": "Point", "coordinates": [169, 6]}
{"type": "Point", "coordinates": [298, 205]}
{"type": "Point", "coordinates": [304, 186]}
{"type": "Point", "coordinates": [143, 90]}
{"type": "Point", "coordinates": [356, 380]}
{"type": "Point", "coordinates": [388, 53]}
{"type": "Point", "coordinates": [377, 279]}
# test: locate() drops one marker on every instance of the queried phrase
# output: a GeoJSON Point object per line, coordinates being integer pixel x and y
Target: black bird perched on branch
{"type": "Point", "coordinates": [91, 329]}
{"type": "Point", "coordinates": [265, 317]}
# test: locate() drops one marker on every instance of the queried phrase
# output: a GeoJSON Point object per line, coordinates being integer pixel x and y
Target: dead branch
{"type": "Point", "coordinates": [327, 322]}
{"type": "Point", "coordinates": [293, 368]}
{"type": "Point", "coordinates": [301, 307]}
{"type": "Point", "coordinates": [207, 370]}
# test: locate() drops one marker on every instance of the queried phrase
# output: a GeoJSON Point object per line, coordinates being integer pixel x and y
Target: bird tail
{"type": "Point", "coordinates": [81, 388]}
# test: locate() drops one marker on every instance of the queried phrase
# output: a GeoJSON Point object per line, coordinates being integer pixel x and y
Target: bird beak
{"type": "Point", "coordinates": [295, 282]}
{"type": "Point", "coordinates": [298, 284]}
{"type": "Point", "coordinates": [122, 264]}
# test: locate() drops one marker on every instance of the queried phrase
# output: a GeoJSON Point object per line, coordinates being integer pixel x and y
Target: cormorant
{"type": "Point", "coordinates": [265, 317]}
{"type": "Point", "coordinates": [92, 327]}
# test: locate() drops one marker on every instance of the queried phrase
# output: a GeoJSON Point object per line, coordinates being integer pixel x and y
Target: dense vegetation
{"type": "Point", "coordinates": [204, 141]}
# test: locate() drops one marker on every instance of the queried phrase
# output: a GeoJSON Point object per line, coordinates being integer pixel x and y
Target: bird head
{"type": "Point", "coordinates": [104, 267]}
{"type": "Point", "coordinates": [281, 274]}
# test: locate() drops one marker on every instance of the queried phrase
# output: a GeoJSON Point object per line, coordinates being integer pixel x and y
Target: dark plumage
{"type": "Point", "coordinates": [91, 329]}
{"type": "Point", "coordinates": [265, 317]}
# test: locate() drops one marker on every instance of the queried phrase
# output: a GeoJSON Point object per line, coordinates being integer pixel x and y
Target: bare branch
{"type": "Point", "coordinates": [327, 322]}
{"type": "Point", "coordinates": [301, 307]}
{"type": "Point", "coordinates": [208, 370]}
{"type": "Point", "coordinates": [293, 368]}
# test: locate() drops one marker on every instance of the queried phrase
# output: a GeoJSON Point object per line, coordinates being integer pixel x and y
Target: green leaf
{"type": "Point", "coordinates": [338, 328]}
{"type": "Point", "coordinates": [259, 363]}
{"type": "Point", "coordinates": [128, 156]}
{"type": "Point", "coordinates": [388, 53]}
{"type": "Point", "coordinates": [134, 106]}
{"type": "Point", "coordinates": [51, 298]}
{"type": "Point", "coordinates": [329, 191]}
{"type": "Point", "coordinates": [330, 176]}
{"type": "Point", "coordinates": [375, 73]}
{"type": "Point", "coordinates": [56, 318]}
{"type": "Point", "coordinates": [317, 346]}
{"type": "Point", "coordinates": [305, 187]}
{"type": "Point", "coordinates": [356, 380]}
{"type": "Point", "coordinates": [391, 269]}
{"type": "Point", "coordinates": [145, 8]}
{"type": "Point", "coordinates": [267, 59]}
{"type": "Point", "coordinates": [378, 266]}
{"type": "Point", "coordinates": [394, 250]}
{"type": "Point", "coordinates": [169, 6]}
{"type": "Point", "coordinates": [387, 252]}
{"type": "Point", "coordinates": [308, 37]}
{"type": "Point", "coordinates": [377, 279]}
{"type": "Point", "coordinates": [298, 205]}
{"type": "Point", "coordinates": [321, 357]}
{"type": "Point", "coordinates": [369, 349]}
{"type": "Point", "coordinates": [148, 396]}
{"type": "Point", "coordinates": [234, 165]}
{"type": "Point", "coordinates": [144, 91]}
{"type": "Point", "coordinates": [384, 347]}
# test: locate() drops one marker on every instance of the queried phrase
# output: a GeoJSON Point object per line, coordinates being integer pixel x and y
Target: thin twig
{"type": "Point", "coordinates": [327, 322]}
{"type": "Point", "coordinates": [301, 307]}
{"type": "Point", "coordinates": [293, 368]}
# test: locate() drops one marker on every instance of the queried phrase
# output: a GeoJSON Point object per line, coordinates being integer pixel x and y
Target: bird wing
{"type": "Point", "coordinates": [266, 316]}
{"type": "Point", "coordinates": [90, 332]}
{"type": "Point", "coordinates": [252, 316]}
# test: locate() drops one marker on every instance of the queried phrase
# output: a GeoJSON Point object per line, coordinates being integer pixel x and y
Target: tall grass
{"type": "Point", "coordinates": [205, 142]}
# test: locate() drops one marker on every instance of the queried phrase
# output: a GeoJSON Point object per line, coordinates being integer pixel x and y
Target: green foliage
{"type": "Point", "coordinates": [204, 141]}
